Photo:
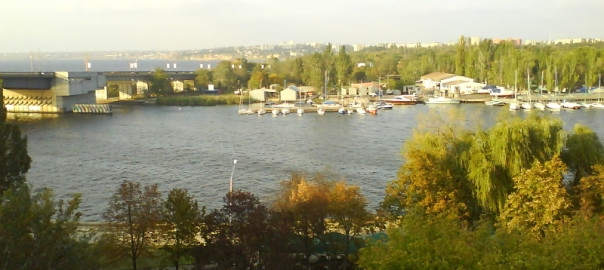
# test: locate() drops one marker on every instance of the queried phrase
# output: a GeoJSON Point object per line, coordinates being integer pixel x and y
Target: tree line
{"type": "Point", "coordinates": [553, 67]}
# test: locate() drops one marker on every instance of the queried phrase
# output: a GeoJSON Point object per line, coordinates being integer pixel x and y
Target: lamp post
{"type": "Point", "coordinates": [231, 179]}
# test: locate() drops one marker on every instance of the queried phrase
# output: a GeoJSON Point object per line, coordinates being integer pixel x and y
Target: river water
{"type": "Point", "coordinates": [194, 148]}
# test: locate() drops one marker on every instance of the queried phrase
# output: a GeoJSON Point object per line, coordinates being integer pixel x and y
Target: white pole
{"type": "Point", "coordinates": [231, 179]}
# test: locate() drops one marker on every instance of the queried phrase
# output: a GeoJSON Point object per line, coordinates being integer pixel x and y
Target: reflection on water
{"type": "Point", "coordinates": [194, 148]}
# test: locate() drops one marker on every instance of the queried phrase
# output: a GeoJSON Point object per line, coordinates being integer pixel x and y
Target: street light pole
{"type": "Point", "coordinates": [231, 179]}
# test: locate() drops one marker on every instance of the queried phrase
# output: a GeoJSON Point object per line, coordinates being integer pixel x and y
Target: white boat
{"type": "Point", "coordinates": [528, 105]}
{"type": "Point", "coordinates": [495, 102]}
{"type": "Point", "coordinates": [261, 111]}
{"type": "Point", "coordinates": [320, 111]}
{"type": "Point", "coordinates": [570, 105]}
{"type": "Point", "coordinates": [515, 105]}
{"type": "Point", "coordinates": [598, 104]}
{"type": "Point", "coordinates": [442, 100]}
{"type": "Point", "coordinates": [401, 100]}
{"type": "Point", "coordinates": [554, 106]}
{"type": "Point", "coordinates": [342, 110]}
{"type": "Point", "coordinates": [361, 110]}
{"type": "Point", "coordinates": [300, 111]}
{"type": "Point", "coordinates": [371, 109]}
{"type": "Point", "coordinates": [539, 105]}
{"type": "Point", "coordinates": [381, 105]}
{"type": "Point", "coordinates": [275, 112]}
{"type": "Point", "coordinates": [285, 111]}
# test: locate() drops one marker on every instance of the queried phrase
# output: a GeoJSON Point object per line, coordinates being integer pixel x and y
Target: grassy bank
{"type": "Point", "coordinates": [202, 100]}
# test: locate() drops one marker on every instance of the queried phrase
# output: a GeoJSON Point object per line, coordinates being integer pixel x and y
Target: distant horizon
{"type": "Point", "coordinates": [185, 25]}
{"type": "Point", "coordinates": [599, 39]}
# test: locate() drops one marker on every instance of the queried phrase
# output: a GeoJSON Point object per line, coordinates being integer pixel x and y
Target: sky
{"type": "Point", "coordinates": [145, 25]}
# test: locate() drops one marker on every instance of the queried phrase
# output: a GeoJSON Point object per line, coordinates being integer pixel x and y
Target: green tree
{"type": "Point", "coordinates": [14, 159]}
{"type": "Point", "coordinates": [539, 202]}
{"type": "Point", "coordinates": [181, 221]}
{"type": "Point", "coordinates": [39, 233]}
{"type": "Point", "coordinates": [582, 151]}
{"type": "Point", "coordinates": [343, 66]}
{"type": "Point", "coordinates": [203, 78]}
{"type": "Point", "coordinates": [225, 77]}
{"type": "Point", "coordinates": [132, 217]}
{"type": "Point", "coordinates": [237, 233]}
{"type": "Point", "coordinates": [501, 153]}
{"type": "Point", "coordinates": [160, 83]}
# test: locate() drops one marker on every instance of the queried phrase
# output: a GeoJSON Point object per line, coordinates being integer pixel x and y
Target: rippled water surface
{"type": "Point", "coordinates": [194, 148]}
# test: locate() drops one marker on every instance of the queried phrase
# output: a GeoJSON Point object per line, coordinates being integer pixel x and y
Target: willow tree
{"type": "Point", "coordinates": [583, 150]}
{"type": "Point", "coordinates": [501, 153]}
{"type": "Point", "coordinates": [432, 177]}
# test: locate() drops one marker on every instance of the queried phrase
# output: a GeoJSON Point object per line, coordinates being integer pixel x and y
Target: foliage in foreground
{"type": "Point", "coordinates": [423, 241]}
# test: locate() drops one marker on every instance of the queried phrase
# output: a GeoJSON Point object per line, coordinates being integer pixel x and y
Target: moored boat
{"type": "Point", "coordinates": [442, 100]}
{"type": "Point", "coordinates": [401, 100]}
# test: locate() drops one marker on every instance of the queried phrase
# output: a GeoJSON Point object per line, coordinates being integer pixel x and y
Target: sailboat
{"type": "Point", "coordinates": [241, 109]}
{"type": "Point", "coordinates": [514, 105]}
{"type": "Point", "coordinates": [528, 105]}
{"type": "Point", "coordinates": [584, 103]}
{"type": "Point", "coordinates": [553, 104]}
{"type": "Point", "coordinates": [538, 104]}
{"type": "Point", "coordinates": [599, 104]}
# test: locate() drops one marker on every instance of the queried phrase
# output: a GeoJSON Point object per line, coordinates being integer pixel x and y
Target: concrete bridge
{"type": "Point", "coordinates": [58, 92]}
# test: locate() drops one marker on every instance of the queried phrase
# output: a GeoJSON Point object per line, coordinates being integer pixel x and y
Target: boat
{"type": "Point", "coordinates": [285, 111]}
{"type": "Point", "coordinates": [528, 105]}
{"type": "Point", "coordinates": [342, 110]}
{"type": "Point", "coordinates": [371, 109]}
{"type": "Point", "coordinates": [381, 105]}
{"type": "Point", "coordinates": [320, 111]}
{"type": "Point", "coordinates": [329, 104]}
{"type": "Point", "coordinates": [515, 105]}
{"type": "Point", "coordinates": [539, 105]}
{"type": "Point", "coordinates": [442, 100]}
{"type": "Point", "coordinates": [500, 92]}
{"type": "Point", "coordinates": [361, 110]}
{"type": "Point", "coordinates": [599, 104]}
{"type": "Point", "coordinates": [495, 102]}
{"type": "Point", "coordinates": [275, 112]}
{"type": "Point", "coordinates": [570, 105]}
{"type": "Point", "coordinates": [300, 111]}
{"type": "Point", "coordinates": [553, 104]}
{"type": "Point", "coordinates": [401, 100]}
{"type": "Point", "coordinates": [261, 111]}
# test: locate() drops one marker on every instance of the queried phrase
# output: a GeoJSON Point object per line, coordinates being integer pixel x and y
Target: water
{"type": "Point", "coordinates": [194, 148]}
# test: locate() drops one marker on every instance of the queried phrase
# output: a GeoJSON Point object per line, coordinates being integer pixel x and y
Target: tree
{"type": "Point", "coordinates": [203, 78]}
{"type": "Point", "coordinates": [539, 201]}
{"type": "Point", "coordinates": [39, 233]}
{"type": "Point", "coordinates": [132, 217]}
{"type": "Point", "coordinates": [237, 233]}
{"type": "Point", "coordinates": [583, 150]}
{"type": "Point", "coordinates": [347, 209]}
{"type": "Point", "coordinates": [306, 200]}
{"type": "Point", "coordinates": [181, 221]}
{"type": "Point", "coordinates": [501, 153]}
{"type": "Point", "coordinates": [160, 83]}
{"type": "Point", "coordinates": [14, 159]}
{"type": "Point", "coordinates": [344, 66]}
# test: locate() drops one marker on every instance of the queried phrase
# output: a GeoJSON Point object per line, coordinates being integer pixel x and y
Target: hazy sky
{"type": "Point", "coordinates": [102, 25]}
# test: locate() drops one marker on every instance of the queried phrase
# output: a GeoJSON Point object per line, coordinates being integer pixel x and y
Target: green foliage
{"type": "Point", "coordinates": [583, 150]}
{"type": "Point", "coordinates": [539, 202]}
{"type": "Point", "coordinates": [499, 154]}
{"type": "Point", "coordinates": [39, 233]}
{"type": "Point", "coordinates": [203, 77]}
{"type": "Point", "coordinates": [181, 221]}
{"type": "Point", "coordinates": [160, 84]}
{"type": "Point", "coordinates": [132, 217]}
{"type": "Point", "coordinates": [14, 160]}
{"type": "Point", "coordinates": [202, 100]}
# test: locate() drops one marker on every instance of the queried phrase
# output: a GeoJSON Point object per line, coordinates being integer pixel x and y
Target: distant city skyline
{"type": "Point", "coordinates": [121, 25]}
